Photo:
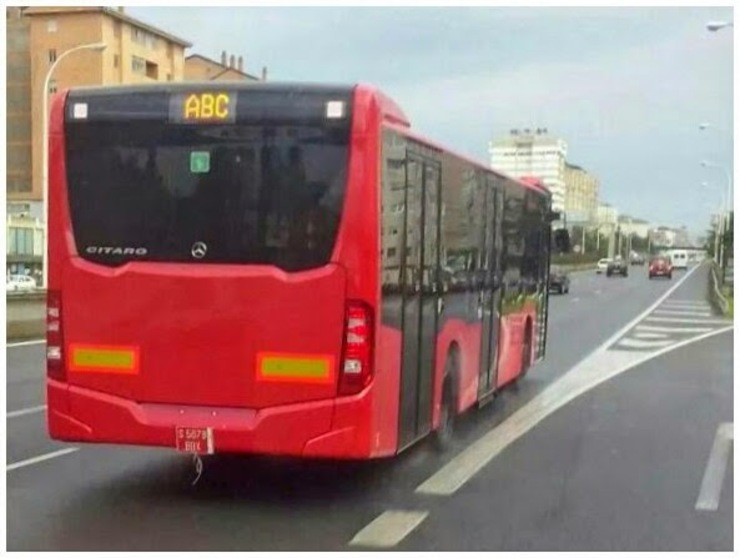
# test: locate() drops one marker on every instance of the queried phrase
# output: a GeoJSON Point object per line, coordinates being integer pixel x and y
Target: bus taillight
{"type": "Point", "coordinates": [54, 340]}
{"type": "Point", "coordinates": [356, 370]}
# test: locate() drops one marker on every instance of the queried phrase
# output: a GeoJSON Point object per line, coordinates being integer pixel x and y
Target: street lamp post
{"type": "Point", "coordinates": [45, 149]}
{"type": "Point", "coordinates": [718, 225]}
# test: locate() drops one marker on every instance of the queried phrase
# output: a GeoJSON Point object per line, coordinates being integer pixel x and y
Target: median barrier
{"type": "Point", "coordinates": [25, 315]}
{"type": "Point", "coordinates": [716, 298]}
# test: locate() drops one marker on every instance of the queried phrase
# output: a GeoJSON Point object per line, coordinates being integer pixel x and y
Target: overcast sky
{"type": "Point", "coordinates": [625, 87]}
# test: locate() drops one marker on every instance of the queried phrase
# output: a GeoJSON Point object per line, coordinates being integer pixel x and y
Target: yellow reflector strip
{"type": "Point", "coordinates": [104, 358]}
{"type": "Point", "coordinates": [273, 367]}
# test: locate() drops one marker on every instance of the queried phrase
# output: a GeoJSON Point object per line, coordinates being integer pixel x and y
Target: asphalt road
{"type": "Point", "coordinates": [113, 498]}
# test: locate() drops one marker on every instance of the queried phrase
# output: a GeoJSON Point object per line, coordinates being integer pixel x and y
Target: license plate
{"type": "Point", "coordinates": [194, 440]}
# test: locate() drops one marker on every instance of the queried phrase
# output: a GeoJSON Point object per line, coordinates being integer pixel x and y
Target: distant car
{"type": "Point", "coordinates": [602, 265]}
{"type": "Point", "coordinates": [679, 259]}
{"type": "Point", "coordinates": [20, 283]}
{"type": "Point", "coordinates": [617, 267]}
{"type": "Point", "coordinates": [660, 267]}
{"type": "Point", "coordinates": [559, 280]}
{"type": "Point", "coordinates": [637, 259]}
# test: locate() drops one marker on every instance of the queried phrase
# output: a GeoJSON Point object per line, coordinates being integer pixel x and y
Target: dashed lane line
{"type": "Point", "coordinates": [28, 411]}
{"type": "Point", "coordinates": [40, 458]}
{"type": "Point", "coordinates": [714, 474]}
{"type": "Point", "coordinates": [25, 343]}
{"type": "Point", "coordinates": [389, 528]}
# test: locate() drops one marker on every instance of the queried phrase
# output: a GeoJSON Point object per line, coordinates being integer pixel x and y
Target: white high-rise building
{"type": "Point", "coordinates": [533, 153]}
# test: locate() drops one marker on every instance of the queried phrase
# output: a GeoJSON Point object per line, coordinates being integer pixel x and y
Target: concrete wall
{"type": "Point", "coordinates": [26, 315]}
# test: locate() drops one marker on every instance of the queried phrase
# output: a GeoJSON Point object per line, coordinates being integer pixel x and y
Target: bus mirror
{"type": "Point", "coordinates": [553, 216]}
{"type": "Point", "coordinates": [562, 240]}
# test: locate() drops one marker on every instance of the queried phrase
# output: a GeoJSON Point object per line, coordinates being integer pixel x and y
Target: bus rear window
{"type": "Point", "coordinates": [148, 190]}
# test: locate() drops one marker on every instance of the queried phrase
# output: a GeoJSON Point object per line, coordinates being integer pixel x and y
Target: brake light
{"type": "Point", "coordinates": [356, 371]}
{"type": "Point", "coordinates": [55, 367]}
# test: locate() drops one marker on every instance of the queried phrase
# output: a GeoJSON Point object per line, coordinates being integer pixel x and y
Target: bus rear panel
{"type": "Point", "coordinates": [198, 297]}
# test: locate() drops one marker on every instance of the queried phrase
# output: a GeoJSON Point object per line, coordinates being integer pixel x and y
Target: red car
{"type": "Point", "coordinates": [660, 266]}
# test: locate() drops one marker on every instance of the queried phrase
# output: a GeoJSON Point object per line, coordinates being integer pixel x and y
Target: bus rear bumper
{"type": "Point", "coordinates": [303, 429]}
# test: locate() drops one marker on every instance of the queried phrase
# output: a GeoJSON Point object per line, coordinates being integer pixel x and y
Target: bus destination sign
{"type": "Point", "coordinates": [203, 106]}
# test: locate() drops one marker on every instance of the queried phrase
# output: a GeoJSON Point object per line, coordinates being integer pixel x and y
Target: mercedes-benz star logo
{"type": "Point", "coordinates": [199, 250]}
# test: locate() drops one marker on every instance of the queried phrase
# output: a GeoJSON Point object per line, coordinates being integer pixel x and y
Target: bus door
{"type": "Point", "coordinates": [489, 296]}
{"type": "Point", "coordinates": [421, 293]}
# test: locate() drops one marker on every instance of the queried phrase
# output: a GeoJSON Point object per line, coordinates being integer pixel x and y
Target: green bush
{"type": "Point", "coordinates": [573, 259]}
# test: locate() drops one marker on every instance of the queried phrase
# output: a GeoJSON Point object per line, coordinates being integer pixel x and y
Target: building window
{"type": "Point", "coordinates": [141, 37]}
{"type": "Point", "coordinates": [116, 61]}
{"type": "Point", "coordinates": [52, 86]}
{"type": "Point", "coordinates": [52, 55]}
{"type": "Point", "coordinates": [152, 70]}
{"type": "Point", "coordinates": [21, 241]}
{"type": "Point", "coordinates": [51, 26]}
{"type": "Point", "coordinates": [138, 65]}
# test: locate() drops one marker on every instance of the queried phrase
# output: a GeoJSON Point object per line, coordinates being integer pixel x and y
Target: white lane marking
{"type": "Point", "coordinates": [679, 329]}
{"type": "Point", "coordinates": [687, 301]}
{"type": "Point", "coordinates": [41, 458]}
{"type": "Point", "coordinates": [24, 343]}
{"type": "Point", "coordinates": [685, 320]}
{"type": "Point", "coordinates": [714, 474]}
{"type": "Point", "coordinates": [389, 528]}
{"type": "Point", "coordinates": [649, 335]}
{"type": "Point", "coordinates": [640, 344]}
{"type": "Point", "coordinates": [588, 374]}
{"type": "Point", "coordinates": [684, 313]}
{"type": "Point", "coordinates": [702, 306]}
{"type": "Point", "coordinates": [575, 299]}
{"type": "Point", "coordinates": [28, 411]}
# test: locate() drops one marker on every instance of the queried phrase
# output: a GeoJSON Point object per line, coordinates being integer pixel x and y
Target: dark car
{"type": "Point", "coordinates": [617, 267]}
{"type": "Point", "coordinates": [559, 280]}
{"type": "Point", "coordinates": [660, 267]}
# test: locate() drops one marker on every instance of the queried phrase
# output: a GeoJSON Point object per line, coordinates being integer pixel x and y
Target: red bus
{"type": "Point", "coordinates": [279, 269]}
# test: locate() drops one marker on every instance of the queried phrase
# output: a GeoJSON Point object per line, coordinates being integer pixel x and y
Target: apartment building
{"type": "Point", "coordinates": [202, 68]}
{"type": "Point", "coordinates": [581, 194]}
{"type": "Point", "coordinates": [606, 214]}
{"type": "Point", "coordinates": [533, 153]}
{"type": "Point", "coordinates": [37, 38]}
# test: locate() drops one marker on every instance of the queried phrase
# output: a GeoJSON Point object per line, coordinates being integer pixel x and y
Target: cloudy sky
{"type": "Point", "coordinates": [625, 87]}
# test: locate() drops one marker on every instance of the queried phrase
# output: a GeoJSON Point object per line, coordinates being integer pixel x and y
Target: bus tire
{"type": "Point", "coordinates": [442, 436]}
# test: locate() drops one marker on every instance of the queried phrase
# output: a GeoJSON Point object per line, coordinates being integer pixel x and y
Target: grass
{"type": "Point", "coordinates": [728, 293]}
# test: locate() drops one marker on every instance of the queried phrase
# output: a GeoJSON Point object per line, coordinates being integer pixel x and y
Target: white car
{"type": "Point", "coordinates": [602, 265]}
{"type": "Point", "coordinates": [20, 283]}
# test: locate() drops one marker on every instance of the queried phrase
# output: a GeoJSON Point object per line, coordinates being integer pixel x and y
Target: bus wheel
{"type": "Point", "coordinates": [442, 436]}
